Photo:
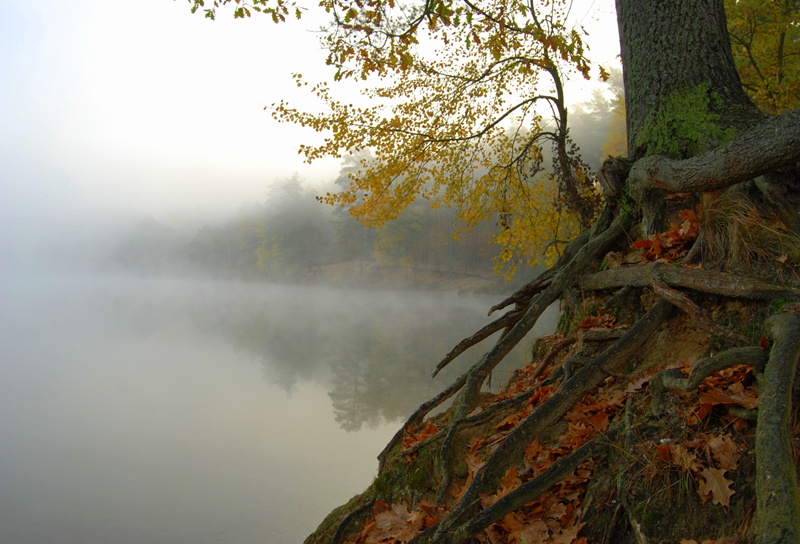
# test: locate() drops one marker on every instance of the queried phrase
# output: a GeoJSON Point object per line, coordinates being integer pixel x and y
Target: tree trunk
{"type": "Point", "coordinates": [675, 46]}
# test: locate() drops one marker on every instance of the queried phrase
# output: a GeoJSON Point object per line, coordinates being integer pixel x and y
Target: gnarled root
{"type": "Point", "coordinates": [777, 500]}
{"type": "Point", "coordinates": [673, 379]}
{"type": "Point", "coordinates": [599, 241]}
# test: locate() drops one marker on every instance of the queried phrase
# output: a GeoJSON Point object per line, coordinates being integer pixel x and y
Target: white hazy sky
{"type": "Point", "coordinates": [123, 105]}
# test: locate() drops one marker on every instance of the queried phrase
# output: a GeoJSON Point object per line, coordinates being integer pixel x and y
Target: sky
{"type": "Point", "coordinates": [115, 107]}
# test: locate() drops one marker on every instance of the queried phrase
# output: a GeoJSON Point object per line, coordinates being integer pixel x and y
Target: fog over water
{"type": "Point", "coordinates": [184, 411]}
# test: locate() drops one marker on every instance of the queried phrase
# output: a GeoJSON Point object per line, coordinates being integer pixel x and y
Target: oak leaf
{"type": "Point", "coordinates": [536, 531]}
{"type": "Point", "coordinates": [715, 486]}
{"type": "Point", "coordinates": [732, 396]}
{"type": "Point", "coordinates": [600, 321]}
{"type": "Point", "coordinates": [391, 524]}
{"type": "Point", "coordinates": [725, 451]}
{"type": "Point", "coordinates": [684, 458]}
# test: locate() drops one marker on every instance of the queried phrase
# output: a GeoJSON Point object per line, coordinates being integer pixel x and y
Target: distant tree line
{"type": "Point", "coordinates": [290, 236]}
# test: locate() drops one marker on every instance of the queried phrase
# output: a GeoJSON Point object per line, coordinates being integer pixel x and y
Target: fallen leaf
{"type": "Point", "coordinates": [715, 486]}
{"type": "Point", "coordinates": [670, 245]}
{"type": "Point", "coordinates": [536, 531]}
{"type": "Point", "coordinates": [412, 439]}
{"type": "Point", "coordinates": [392, 524]}
{"type": "Point", "coordinates": [600, 321]}
{"type": "Point", "coordinates": [684, 458]}
{"type": "Point", "coordinates": [698, 413]}
{"type": "Point", "coordinates": [716, 396]}
{"type": "Point", "coordinates": [638, 383]}
{"type": "Point", "coordinates": [725, 451]}
{"type": "Point", "coordinates": [569, 534]}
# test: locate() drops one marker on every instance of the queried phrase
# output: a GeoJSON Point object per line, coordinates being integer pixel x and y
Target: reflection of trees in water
{"type": "Point", "coordinates": [290, 347]}
{"type": "Point", "coordinates": [375, 351]}
{"type": "Point", "coordinates": [385, 374]}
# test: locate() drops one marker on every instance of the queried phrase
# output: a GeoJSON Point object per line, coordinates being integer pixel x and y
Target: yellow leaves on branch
{"type": "Point", "coordinates": [454, 122]}
{"type": "Point", "coordinates": [765, 39]}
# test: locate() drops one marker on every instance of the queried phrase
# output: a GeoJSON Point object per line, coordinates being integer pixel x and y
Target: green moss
{"type": "Point", "coordinates": [684, 124]}
{"type": "Point", "coordinates": [777, 304]}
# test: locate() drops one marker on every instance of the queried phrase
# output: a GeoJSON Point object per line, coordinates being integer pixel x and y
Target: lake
{"type": "Point", "coordinates": [141, 411]}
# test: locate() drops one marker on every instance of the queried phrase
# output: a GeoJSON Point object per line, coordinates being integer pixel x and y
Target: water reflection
{"type": "Point", "coordinates": [135, 411]}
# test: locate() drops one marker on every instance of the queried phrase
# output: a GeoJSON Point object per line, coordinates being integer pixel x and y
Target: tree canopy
{"type": "Point", "coordinates": [765, 36]}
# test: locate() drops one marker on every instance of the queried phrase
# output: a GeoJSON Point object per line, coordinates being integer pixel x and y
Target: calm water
{"type": "Point", "coordinates": [142, 411]}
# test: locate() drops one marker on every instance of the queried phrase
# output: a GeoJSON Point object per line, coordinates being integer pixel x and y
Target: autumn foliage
{"type": "Point", "coordinates": [674, 243]}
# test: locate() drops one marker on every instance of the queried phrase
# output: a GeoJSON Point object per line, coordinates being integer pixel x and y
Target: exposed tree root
{"type": "Point", "coordinates": [534, 488]}
{"type": "Point", "coordinates": [550, 357]}
{"type": "Point", "coordinates": [778, 503]}
{"type": "Point", "coordinates": [348, 519]}
{"type": "Point", "coordinates": [600, 239]}
{"type": "Point", "coordinates": [508, 320]}
{"type": "Point", "coordinates": [420, 413]}
{"type": "Point", "coordinates": [765, 147]}
{"type": "Point", "coordinates": [610, 362]}
{"type": "Point", "coordinates": [697, 313]}
{"type": "Point", "coordinates": [673, 379]}
{"type": "Point", "coordinates": [522, 296]}
{"type": "Point", "coordinates": [778, 508]}
{"type": "Point", "coordinates": [706, 281]}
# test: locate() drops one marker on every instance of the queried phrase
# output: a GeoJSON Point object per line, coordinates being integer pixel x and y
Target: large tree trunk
{"type": "Point", "coordinates": [674, 46]}
{"type": "Point", "coordinates": [684, 98]}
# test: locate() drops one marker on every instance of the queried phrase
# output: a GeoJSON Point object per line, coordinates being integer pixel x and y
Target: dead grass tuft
{"type": "Point", "coordinates": [739, 236]}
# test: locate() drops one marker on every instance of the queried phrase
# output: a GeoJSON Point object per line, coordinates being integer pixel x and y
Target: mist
{"type": "Point", "coordinates": [141, 409]}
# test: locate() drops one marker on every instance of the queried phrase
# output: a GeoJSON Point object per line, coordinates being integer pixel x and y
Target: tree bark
{"type": "Point", "coordinates": [676, 46]}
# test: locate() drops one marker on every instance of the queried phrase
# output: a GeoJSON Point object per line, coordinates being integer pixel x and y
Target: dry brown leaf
{"type": "Point", "coordinates": [392, 525]}
{"type": "Point", "coordinates": [600, 321]}
{"type": "Point", "coordinates": [715, 486]}
{"type": "Point", "coordinates": [569, 534]}
{"type": "Point", "coordinates": [637, 383]}
{"type": "Point", "coordinates": [684, 458]}
{"type": "Point", "coordinates": [536, 531]}
{"type": "Point", "coordinates": [725, 451]}
{"type": "Point", "coordinates": [716, 396]}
